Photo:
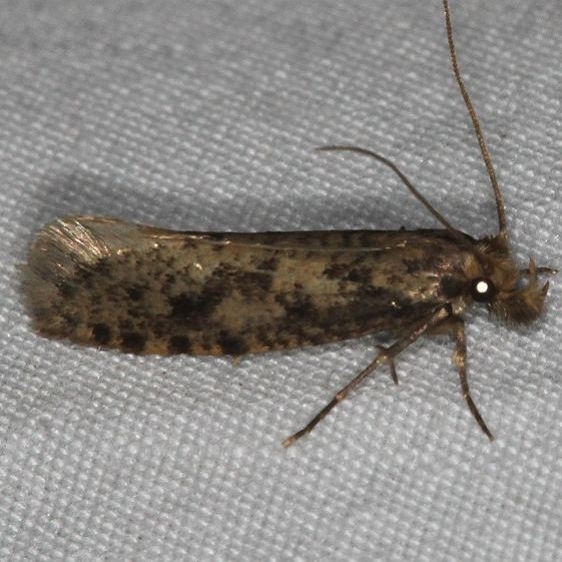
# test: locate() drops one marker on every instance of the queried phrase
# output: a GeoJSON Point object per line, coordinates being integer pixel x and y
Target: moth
{"type": "Point", "coordinates": [146, 290]}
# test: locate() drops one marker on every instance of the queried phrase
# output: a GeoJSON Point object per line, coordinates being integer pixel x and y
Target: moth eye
{"type": "Point", "coordinates": [482, 289]}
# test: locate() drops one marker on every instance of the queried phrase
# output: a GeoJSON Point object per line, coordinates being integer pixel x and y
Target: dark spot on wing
{"type": "Point", "coordinates": [360, 275]}
{"type": "Point", "coordinates": [298, 305]}
{"type": "Point", "coordinates": [232, 345]}
{"type": "Point", "coordinates": [179, 344]}
{"type": "Point", "coordinates": [186, 307]}
{"type": "Point", "coordinates": [302, 307]}
{"type": "Point", "coordinates": [136, 292]}
{"type": "Point", "coordinates": [133, 342]}
{"type": "Point", "coordinates": [182, 305]}
{"type": "Point", "coordinates": [101, 333]}
{"type": "Point", "coordinates": [252, 284]}
{"type": "Point", "coordinates": [336, 270]}
{"type": "Point", "coordinates": [268, 264]}
{"type": "Point", "coordinates": [369, 293]}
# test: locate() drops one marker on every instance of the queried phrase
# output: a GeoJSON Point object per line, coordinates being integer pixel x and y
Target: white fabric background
{"type": "Point", "coordinates": [203, 114]}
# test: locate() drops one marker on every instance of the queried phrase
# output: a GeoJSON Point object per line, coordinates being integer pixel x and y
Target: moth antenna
{"type": "Point", "coordinates": [500, 207]}
{"type": "Point", "coordinates": [402, 176]}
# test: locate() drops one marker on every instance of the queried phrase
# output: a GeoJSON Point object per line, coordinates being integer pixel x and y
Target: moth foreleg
{"type": "Point", "coordinates": [385, 355]}
{"type": "Point", "coordinates": [456, 325]}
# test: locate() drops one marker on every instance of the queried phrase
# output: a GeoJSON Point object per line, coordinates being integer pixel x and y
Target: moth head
{"type": "Point", "coordinates": [516, 296]}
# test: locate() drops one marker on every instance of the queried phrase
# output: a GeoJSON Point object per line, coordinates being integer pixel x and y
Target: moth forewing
{"type": "Point", "coordinates": [114, 284]}
{"type": "Point", "coordinates": [141, 289]}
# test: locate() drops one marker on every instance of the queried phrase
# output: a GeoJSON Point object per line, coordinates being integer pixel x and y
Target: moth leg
{"type": "Point", "coordinates": [459, 359]}
{"type": "Point", "coordinates": [390, 361]}
{"type": "Point", "coordinates": [440, 315]}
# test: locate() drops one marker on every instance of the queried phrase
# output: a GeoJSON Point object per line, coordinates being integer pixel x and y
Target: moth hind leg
{"type": "Point", "coordinates": [385, 355]}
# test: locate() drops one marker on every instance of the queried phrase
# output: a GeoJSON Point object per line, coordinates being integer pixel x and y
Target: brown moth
{"type": "Point", "coordinates": [140, 289]}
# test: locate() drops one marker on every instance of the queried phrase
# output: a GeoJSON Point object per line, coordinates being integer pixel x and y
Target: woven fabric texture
{"type": "Point", "coordinates": [203, 115]}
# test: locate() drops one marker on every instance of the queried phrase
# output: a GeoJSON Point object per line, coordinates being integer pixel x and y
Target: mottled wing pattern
{"type": "Point", "coordinates": [146, 290]}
